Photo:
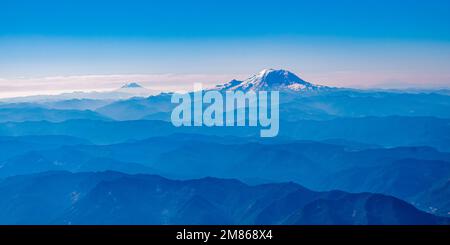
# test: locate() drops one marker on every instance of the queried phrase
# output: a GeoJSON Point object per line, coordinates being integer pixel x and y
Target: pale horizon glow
{"type": "Point", "coordinates": [170, 82]}
{"type": "Point", "coordinates": [54, 85]}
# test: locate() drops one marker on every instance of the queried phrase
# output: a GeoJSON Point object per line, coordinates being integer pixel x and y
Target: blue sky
{"type": "Point", "coordinates": [343, 43]}
{"type": "Point", "coordinates": [195, 18]}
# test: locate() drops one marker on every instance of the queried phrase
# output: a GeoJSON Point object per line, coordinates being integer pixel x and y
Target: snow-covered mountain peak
{"type": "Point", "coordinates": [270, 79]}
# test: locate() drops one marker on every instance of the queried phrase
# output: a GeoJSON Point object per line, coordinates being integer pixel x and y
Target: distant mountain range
{"type": "Point", "coordinates": [116, 198]}
{"type": "Point", "coordinates": [126, 91]}
{"type": "Point", "coordinates": [300, 100]}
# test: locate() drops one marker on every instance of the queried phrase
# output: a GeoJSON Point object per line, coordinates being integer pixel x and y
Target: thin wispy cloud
{"type": "Point", "coordinates": [168, 82]}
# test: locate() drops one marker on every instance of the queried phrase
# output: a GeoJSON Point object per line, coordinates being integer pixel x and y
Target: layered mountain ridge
{"type": "Point", "coordinates": [116, 198]}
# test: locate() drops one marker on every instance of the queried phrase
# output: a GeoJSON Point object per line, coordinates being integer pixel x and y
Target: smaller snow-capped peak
{"type": "Point", "coordinates": [270, 79]}
{"type": "Point", "coordinates": [132, 85]}
{"type": "Point", "coordinates": [135, 89]}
